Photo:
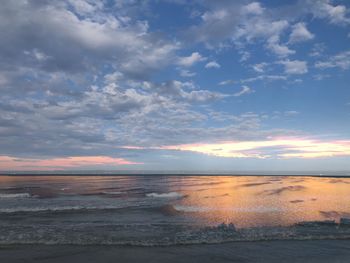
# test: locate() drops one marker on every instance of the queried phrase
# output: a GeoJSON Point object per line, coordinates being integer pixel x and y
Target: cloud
{"type": "Point", "coordinates": [245, 55]}
{"type": "Point", "coordinates": [227, 82]}
{"type": "Point", "coordinates": [83, 7]}
{"type": "Point", "coordinates": [186, 73]}
{"type": "Point", "coordinates": [341, 60]}
{"type": "Point", "coordinates": [280, 148]}
{"type": "Point", "coordinates": [336, 14]}
{"type": "Point", "coordinates": [318, 50]}
{"type": "Point", "coordinates": [212, 64]}
{"type": "Point", "coordinates": [273, 43]}
{"type": "Point", "coordinates": [99, 118]}
{"type": "Point", "coordinates": [264, 77]}
{"type": "Point", "coordinates": [240, 25]}
{"type": "Point", "coordinates": [187, 91]}
{"type": "Point", "coordinates": [294, 66]}
{"type": "Point", "coordinates": [51, 37]}
{"type": "Point", "coordinates": [291, 113]}
{"type": "Point", "coordinates": [189, 61]}
{"type": "Point", "coordinates": [254, 8]}
{"type": "Point", "coordinates": [320, 77]}
{"type": "Point", "coordinates": [300, 33]}
{"type": "Point", "coordinates": [260, 67]}
{"type": "Point", "coordinates": [244, 90]}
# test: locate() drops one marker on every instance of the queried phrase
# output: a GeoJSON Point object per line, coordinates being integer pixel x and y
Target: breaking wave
{"type": "Point", "coordinates": [17, 195]}
{"type": "Point", "coordinates": [56, 209]}
{"type": "Point", "coordinates": [165, 195]}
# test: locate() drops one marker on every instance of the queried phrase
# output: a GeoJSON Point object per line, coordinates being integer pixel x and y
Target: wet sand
{"type": "Point", "coordinates": [264, 251]}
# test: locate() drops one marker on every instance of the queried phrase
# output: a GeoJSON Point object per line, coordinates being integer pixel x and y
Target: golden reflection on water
{"type": "Point", "coordinates": [243, 200]}
{"type": "Point", "coordinates": [268, 201]}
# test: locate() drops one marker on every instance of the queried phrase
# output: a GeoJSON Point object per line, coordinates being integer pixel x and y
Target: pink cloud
{"type": "Point", "coordinates": [12, 163]}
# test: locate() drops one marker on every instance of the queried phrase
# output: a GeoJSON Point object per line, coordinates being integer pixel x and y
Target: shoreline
{"type": "Point", "coordinates": [258, 251]}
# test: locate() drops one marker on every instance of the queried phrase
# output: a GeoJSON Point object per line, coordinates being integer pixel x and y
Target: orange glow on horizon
{"type": "Point", "coordinates": [286, 148]}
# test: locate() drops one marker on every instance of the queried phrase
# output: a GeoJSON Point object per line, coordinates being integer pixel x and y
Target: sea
{"type": "Point", "coordinates": [165, 210]}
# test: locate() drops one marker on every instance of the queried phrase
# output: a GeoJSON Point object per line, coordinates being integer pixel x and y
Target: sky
{"type": "Point", "coordinates": [175, 85]}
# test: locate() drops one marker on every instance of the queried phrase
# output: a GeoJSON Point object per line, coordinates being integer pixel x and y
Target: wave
{"type": "Point", "coordinates": [17, 195]}
{"type": "Point", "coordinates": [153, 235]}
{"type": "Point", "coordinates": [113, 193]}
{"type": "Point", "coordinates": [165, 195]}
{"type": "Point", "coordinates": [199, 209]}
{"type": "Point", "coordinates": [56, 209]}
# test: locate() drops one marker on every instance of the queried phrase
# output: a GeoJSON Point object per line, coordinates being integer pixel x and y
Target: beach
{"type": "Point", "coordinates": [263, 251]}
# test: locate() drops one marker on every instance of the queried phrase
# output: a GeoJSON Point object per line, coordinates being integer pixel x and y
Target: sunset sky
{"type": "Point", "coordinates": [175, 85]}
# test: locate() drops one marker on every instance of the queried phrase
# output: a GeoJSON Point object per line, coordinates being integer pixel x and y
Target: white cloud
{"type": "Point", "coordinates": [112, 77]}
{"type": "Point", "coordinates": [227, 82]}
{"type": "Point", "coordinates": [241, 25]}
{"type": "Point", "coordinates": [317, 50]}
{"type": "Point", "coordinates": [212, 64]}
{"type": "Point", "coordinates": [244, 90]}
{"type": "Point", "coordinates": [300, 33]}
{"type": "Point", "coordinates": [190, 60]}
{"type": "Point", "coordinates": [216, 15]}
{"type": "Point", "coordinates": [264, 77]}
{"type": "Point", "coordinates": [253, 8]}
{"type": "Point", "coordinates": [186, 73]}
{"type": "Point", "coordinates": [83, 7]}
{"type": "Point", "coordinates": [294, 66]}
{"type": "Point", "coordinates": [262, 27]}
{"type": "Point", "coordinates": [321, 76]}
{"type": "Point", "coordinates": [245, 55]}
{"type": "Point", "coordinates": [260, 67]}
{"type": "Point", "coordinates": [291, 113]}
{"type": "Point", "coordinates": [37, 54]}
{"type": "Point", "coordinates": [273, 43]}
{"type": "Point", "coordinates": [288, 147]}
{"type": "Point", "coordinates": [202, 96]}
{"type": "Point", "coordinates": [341, 60]}
{"type": "Point", "coordinates": [336, 14]}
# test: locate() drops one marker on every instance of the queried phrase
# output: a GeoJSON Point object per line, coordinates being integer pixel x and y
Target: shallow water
{"type": "Point", "coordinates": [146, 210]}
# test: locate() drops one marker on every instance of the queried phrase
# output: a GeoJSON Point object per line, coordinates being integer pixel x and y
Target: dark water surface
{"type": "Point", "coordinates": [166, 210]}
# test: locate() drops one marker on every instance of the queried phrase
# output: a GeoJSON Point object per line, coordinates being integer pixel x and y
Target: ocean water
{"type": "Point", "coordinates": [168, 210]}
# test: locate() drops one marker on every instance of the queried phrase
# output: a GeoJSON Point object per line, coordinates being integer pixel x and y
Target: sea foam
{"type": "Point", "coordinates": [17, 195]}
{"type": "Point", "coordinates": [165, 195]}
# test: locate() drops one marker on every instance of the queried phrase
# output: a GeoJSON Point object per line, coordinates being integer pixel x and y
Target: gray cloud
{"type": "Point", "coordinates": [340, 60]}
{"type": "Point", "coordinates": [47, 35]}
{"type": "Point", "coordinates": [240, 24]}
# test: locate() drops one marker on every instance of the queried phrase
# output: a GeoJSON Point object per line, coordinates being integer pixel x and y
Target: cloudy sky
{"type": "Point", "coordinates": [175, 85]}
